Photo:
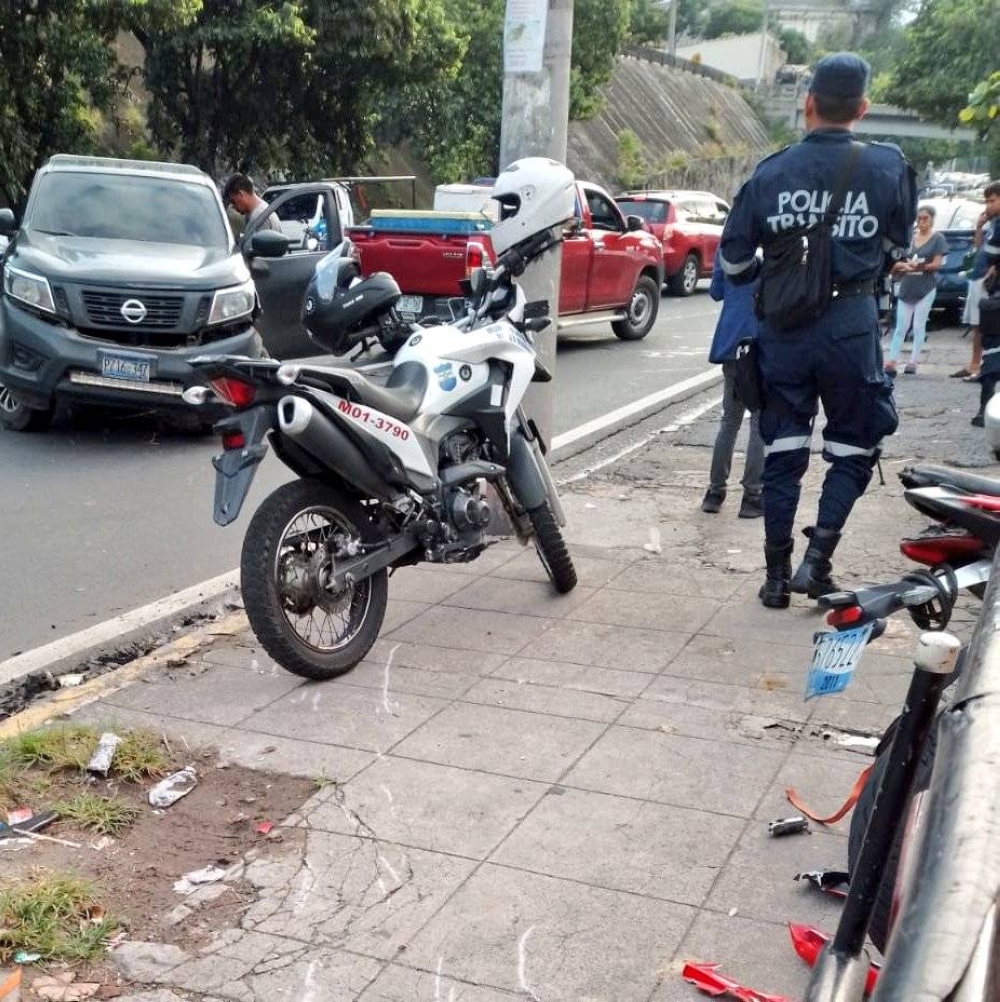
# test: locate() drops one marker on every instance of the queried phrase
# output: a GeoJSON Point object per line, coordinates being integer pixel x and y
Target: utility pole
{"type": "Point", "coordinates": [672, 46]}
{"type": "Point", "coordinates": [538, 40]}
{"type": "Point", "coordinates": [763, 46]}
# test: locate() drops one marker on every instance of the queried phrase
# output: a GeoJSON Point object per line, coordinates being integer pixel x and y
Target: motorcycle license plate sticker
{"type": "Point", "coordinates": [835, 657]}
{"type": "Point", "coordinates": [410, 306]}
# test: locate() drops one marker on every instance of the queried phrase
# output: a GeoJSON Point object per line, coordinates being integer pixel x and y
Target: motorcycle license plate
{"type": "Point", "coordinates": [410, 306]}
{"type": "Point", "coordinates": [128, 367]}
{"type": "Point", "coordinates": [835, 657]}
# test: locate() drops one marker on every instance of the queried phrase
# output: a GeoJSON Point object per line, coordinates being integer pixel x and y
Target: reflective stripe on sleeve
{"type": "Point", "coordinates": [992, 250]}
{"type": "Point", "coordinates": [735, 269]}
{"type": "Point", "coordinates": [843, 449]}
{"type": "Point", "coordinates": [791, 444]}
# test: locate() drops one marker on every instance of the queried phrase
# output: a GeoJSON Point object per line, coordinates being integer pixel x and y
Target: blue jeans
{"type": "Point", "coordinates": [918, 313]}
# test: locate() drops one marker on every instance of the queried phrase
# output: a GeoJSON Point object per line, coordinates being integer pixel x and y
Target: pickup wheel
{"type": "Point", "coordinates": [641, 312]}
{"type": "Point", "coordinates": [686, 280]}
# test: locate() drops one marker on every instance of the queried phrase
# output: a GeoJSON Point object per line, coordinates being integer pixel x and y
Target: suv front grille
{"type": "Point", "coordinates": [105, 310]}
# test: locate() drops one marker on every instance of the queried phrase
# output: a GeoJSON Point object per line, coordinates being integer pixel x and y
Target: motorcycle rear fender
{"type": "Point", "coordinates": [236, 468]}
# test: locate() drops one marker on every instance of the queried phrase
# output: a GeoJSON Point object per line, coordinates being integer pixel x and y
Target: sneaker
{"type": "Point", "coordinates": [977, 421]}
{"type": "Point", "coordinates": [971, 378]}
{"type": "Point", "coordinates": [910, 369]}
{"type": "Point", "coordinates": [752, 506]}
{"type": "Point", "coordinates": [713, 500]}
{"type": "Point", "coordinates": [961, 374]}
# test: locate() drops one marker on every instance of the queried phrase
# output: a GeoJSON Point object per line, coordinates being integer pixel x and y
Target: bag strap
{"type": "Point", "coordinates": [843, 180]}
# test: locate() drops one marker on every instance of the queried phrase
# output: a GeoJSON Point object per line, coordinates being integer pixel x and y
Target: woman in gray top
{"type": "Point", "coordinates": [917, 289]}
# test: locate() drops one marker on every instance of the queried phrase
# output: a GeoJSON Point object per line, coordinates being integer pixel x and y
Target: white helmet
{"type": "Point", "coordinates": [535, 194]}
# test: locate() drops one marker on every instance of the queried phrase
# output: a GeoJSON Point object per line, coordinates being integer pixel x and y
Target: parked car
{"type": "Point", "coordinates": [612, 268]}
{"type": "Point", "coordinates": [955, 219]}
{"type": "Point", "coordinates": [689, 223]}
{"type": "Point", "coordinates": [119, 273]}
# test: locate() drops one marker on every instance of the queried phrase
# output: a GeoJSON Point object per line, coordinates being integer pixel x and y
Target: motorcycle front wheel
{"type": "Point", "coordinates": [551, 548]}
{"type": "Point", "coordinates": [289, 556]}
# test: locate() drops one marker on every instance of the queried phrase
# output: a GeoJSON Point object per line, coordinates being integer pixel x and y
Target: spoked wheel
{"type": "Point", "coordinates": [290, 554]}
{"type": "Point", "coordinates": [551, 548]}
{"type": "Point", "coordinates": [15, 416]}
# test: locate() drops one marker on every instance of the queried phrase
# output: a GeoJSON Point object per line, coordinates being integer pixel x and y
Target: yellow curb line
{"type": "Point", "coordinates": [66, 701]}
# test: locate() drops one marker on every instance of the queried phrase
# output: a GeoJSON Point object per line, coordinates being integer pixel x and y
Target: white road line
{"type": "Point", "coordinates": [77, 645]}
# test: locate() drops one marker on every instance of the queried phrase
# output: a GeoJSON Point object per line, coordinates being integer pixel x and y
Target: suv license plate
{"type": "Point", "coordinates": [119, 367]}
{"type": "Point", "coordinates": [411, 306]}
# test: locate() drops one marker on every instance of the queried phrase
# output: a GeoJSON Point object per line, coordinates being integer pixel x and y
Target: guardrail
{"type": "Point", "coordinates": [665, 59]}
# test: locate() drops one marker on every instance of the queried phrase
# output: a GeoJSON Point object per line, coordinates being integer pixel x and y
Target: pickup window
{"type": "Point", "coordinates": [603, 212]}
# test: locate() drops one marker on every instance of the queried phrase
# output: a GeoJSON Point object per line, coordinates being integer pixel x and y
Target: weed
{"type": "Point", "coordinates": [100, 815]}
{"type": "Point", "coordinates": [54, 915]}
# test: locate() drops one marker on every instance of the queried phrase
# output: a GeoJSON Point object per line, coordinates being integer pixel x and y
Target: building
{"type": "Point", "coordinates": [738, 55]}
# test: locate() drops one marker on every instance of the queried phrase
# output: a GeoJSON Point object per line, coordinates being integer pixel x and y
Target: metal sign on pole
{"type": "Point", "coordinates": [538, 39]}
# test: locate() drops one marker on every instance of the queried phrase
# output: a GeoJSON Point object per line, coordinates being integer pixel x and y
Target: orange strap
{"type": "Point", "coordinates": [852, 799]}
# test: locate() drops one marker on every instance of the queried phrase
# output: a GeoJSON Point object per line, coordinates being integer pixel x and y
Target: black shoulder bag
{"type": "Point", "coordinates": [796, 276]}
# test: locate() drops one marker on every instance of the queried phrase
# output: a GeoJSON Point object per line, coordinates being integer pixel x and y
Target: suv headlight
{"type": "Point", "coordinates": [33, 290]}
{"type": "Point", "coordinates": [231, 304]}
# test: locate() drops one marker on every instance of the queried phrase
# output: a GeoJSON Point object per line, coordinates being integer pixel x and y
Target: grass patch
{"type": "Point", "coordinates": [54, 915]}
{"type": "Point", "coordinates": [100, 815]}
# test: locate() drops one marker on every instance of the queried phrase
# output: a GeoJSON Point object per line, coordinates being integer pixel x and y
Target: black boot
{"type": "Point", "coordinates": [774, 591]}
{"type": "Point", "coordinates": [813, 575]}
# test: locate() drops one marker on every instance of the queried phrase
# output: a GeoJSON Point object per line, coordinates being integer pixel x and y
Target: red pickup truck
{"type": "Point", "coordinates": [612, 268]}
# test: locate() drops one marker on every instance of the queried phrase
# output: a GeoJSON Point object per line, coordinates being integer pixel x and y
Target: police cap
{"type": "Point", "coordinates": [841, 74]}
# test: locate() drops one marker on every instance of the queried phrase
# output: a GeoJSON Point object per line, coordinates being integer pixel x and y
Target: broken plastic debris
{"type": "Point", "coordinates": [264, 828]}
{"type": "Point", "coordinates": [706, 978]}
{"type": "Point", "coordinates": [835, 882]}
{"type": "Point", "coordinates": [10, 985]}
{"type": "Point", "coordinates": [104, 754]}
{"type": "Point", "coordinates": [168, 791]}
{"type": "Point", "coordinates": [653, 546]}
{"type": "Point", "coordinates": [71, 681]}
{"type": "Point", "coordinates": [808, 941]}
{"type": "Point", "coordinates": [24, 957]}
{"type": "Point", "coordinates": [852, 798]}
{"type": "Point", "coordinates": [19, 815]}
{"type": "Point", "coordinates": [196, 878]}
{"type": "Point", "coordinates": [787, 826]}
{"type": "Point", "coordinates": [29, 823]}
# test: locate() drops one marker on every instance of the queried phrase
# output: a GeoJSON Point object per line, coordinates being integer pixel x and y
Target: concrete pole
{"type": "Point", "coordinates": [763, 46]}
{"type": "Point", "coordinates": [672, 47]}
{"type": "Point", "coordinates": [535, 124]}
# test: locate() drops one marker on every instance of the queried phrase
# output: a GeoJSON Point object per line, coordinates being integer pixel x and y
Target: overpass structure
{"type": "Point", "coordinates": [884, 121]}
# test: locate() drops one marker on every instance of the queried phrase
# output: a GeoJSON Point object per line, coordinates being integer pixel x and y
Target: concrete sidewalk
{"type": "Point", "coordinates": [546, 797]}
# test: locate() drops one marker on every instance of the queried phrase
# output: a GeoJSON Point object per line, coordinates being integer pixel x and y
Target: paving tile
{"type": "Point", "coordinates": [189, 733]}
{"type": "Point", "coordinates": [756, 954]}
{"type": "Point", "coordinates": [320, 976]}
{"type": "Point", "coordinates": [561, 675]}
{"type": "Point", "coordinates": [355, 894]}
{"type": "Point", "coordinates": [403, 984]}
{"type": "Point", "coordinates": [345, 715]}
{"type": "Point", "coordinates": [218, 695]}
{"type": "Point", "coordinates": [754, 656]}
{"type": "Point", "coordinates": [434, 657]}
{"type": "Point", "coordinates": [839, 710]}
{"type": "Point", "coordinates": [493, 739]}
{"type": "Point", "coordinates": [420, 681]}
{"type": "Point", "coordinates": [551, 939]}
{"type": "Point", "coordinates": [628, 845]}
{"type": "Point", "coordinates": [246, 653]}
{"type": "Point", "coordinates": [399, 612]}
{"type": "Point", "coordinates": [710, 724]}
{"type": "Point", "coordinates": [308, 759]}
{"type": "Point", "coordinates": [421, 584]}
{"type": "Point", "coordinates": [523, 598]}
{"type": "Point", "coordinates": [823, 782]}
{"type": "Point", "coordinates": [593, 572]}
{"type": "Point", "coordinates": [546, 699]}
{"type": "Point", "coordinates": [744, 618]}
{"type": "Point", "coordinates": [779, 704]}
{"type": "Point", "coordinates": [783, 671]}
{"type": "Point", "coordinates": [428, 806]}
{"type": "Point", "coordinates": [646, 610]}
{"type": "Point", "coordinates": [606, 646]}
{"type": "Point", "coordinates": [759, 881]}
{"type": "Point", "coordinates": [677, 770]}
{"type": "Point", "coordinates": [658, 574]}
{"type": "Point", "coordinates": [472, 629]}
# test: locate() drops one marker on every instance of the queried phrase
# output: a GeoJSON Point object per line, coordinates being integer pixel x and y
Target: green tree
{"type": "Point", "coordinates": [59, 71]}
{"type": "Point", "coordinates": [649, 22]}
{"type": "Point", "coordinates": [798, 49]}
{"type": "Point", "coordinates": [737, 17]}
{"type": "Point", "coordinates": [599, 31]}
{"type": "Point", "coordinates": [983, 114]}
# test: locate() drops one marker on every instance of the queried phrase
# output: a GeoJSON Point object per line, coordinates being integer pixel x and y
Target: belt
{"type": "Point", "coordinates": [844, 290]}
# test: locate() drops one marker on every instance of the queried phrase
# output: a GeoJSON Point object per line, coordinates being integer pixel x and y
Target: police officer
{"type": "Point", "coordinates": [837, 358]}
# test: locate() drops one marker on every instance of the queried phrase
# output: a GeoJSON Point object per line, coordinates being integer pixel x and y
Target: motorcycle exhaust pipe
{"type": "Point", "coordinates": [307, 426]}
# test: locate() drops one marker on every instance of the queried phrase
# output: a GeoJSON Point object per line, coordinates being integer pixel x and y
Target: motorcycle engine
{"type": "Point", "coordinates": [457, 534]}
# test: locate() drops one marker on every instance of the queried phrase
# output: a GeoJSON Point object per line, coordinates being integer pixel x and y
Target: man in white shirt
{"type": "Point", "coordinates": [239, 193]}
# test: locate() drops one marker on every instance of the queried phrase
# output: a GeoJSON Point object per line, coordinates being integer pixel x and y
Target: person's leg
{"type": "Point", "coordinates": [904, 315]}
{"type": "Point", "coordinates": [987, 387]}
{"type": "Point", "coordinates": [921, 313]}
{"type": "Point", "coordinates": [725, 440]}
{"type": "Point", "coordinates": [752, 505]}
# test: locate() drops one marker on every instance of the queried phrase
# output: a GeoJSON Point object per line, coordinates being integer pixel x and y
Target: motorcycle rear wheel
{"type": "Point", "coordinates": [308, 630]}
{"type": "Point", "coordinates": [551, 548]}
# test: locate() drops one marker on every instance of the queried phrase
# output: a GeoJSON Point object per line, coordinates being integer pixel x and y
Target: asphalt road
{"type": "Point", "coordinates": [108, 512]}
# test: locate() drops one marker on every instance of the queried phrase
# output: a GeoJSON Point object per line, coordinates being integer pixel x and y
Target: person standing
{"type": "Point", "coordinates": [737, 322]}
{"type": "Point", "coordinates": [917, 289]}
{"type": "Point", "coordinates": [835, 357]}
{"type": "Point", "coordinates": [239, 193]}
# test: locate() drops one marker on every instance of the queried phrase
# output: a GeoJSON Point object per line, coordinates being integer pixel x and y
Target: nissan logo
{"type": "Point", "coordinates": [133, 311]}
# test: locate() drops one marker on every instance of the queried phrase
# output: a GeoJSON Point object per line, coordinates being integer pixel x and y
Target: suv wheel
{"type": "Point", "coordinates": [15, 416]}
{"type": "Point", "coordinates": [686, 280]}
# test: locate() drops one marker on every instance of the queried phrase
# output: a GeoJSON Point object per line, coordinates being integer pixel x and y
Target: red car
{"type": "Point", "coordinates": [690, 225]}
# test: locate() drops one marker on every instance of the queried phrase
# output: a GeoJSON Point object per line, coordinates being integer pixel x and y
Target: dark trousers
{"type": "Point", "coordinates": [725, 440]}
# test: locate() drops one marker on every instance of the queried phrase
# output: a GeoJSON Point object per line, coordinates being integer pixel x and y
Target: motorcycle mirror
{"type": "Point", "coordinates": [269, 243]}
{"type": "Point", "coordinates": [477, 282]}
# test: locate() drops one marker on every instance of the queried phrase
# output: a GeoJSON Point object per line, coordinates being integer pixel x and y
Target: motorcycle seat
{"type": "Point", "coordinates": [929, 475]}
{"type": "Point", "coordinates": [400, 398]}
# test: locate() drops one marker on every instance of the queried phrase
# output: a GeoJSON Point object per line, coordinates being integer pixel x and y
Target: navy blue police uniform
{"type": "Point", "coordinates": [835, 359]}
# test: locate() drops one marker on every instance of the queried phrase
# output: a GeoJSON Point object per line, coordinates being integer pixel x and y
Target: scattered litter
{"type": "Point", "coordinates": [733, 912]}
{"type": "Point", "coordinates": [71, 681]}
{"type": "Point", "coordinates": [238, 819]}
{"type": "Point", "coordinates": [10, 985]}
{"type": "Point", "coordinates": [248, 800]}
{"type": "Point", "coordinates": [13, 845]}
{"type": "Point", "coordinates": [33, 822]}
{"type": "Point", "coordinates": [732, 552]}
{"type": "Point", "coordinates": [807, 943]}
{"type": "Point", "coordinates": [24, 957]}
{"type": "Point", "coordinates": [104, 842]}
{"type": "Point", "coordinates": [788, 826]}
{"type": "Point", "coordinates": [196, 878]}
{"type": "Point", "coordinates": [168, 791]}
{"type": "Point", "coordinates": [706, 978]}
{"type": "Point", "coordinates": [104, 753]}
{"type": "Point", "coordinates": [835, 882]}
{"type": "Point", "coordinates": [590, 504]}
{"type": "Point", "coordinates": [653, 546]}
{"type": "Point", "coordinates": [19, 815]}
{"type": "Point", "coordinates": [51, 838]}
{"type": "Point", "coordinates": [264, 828]}
{"type": "Point", "coordinates": [852, 798]}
